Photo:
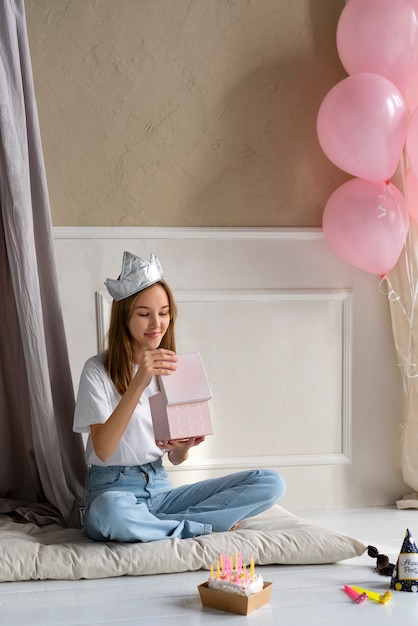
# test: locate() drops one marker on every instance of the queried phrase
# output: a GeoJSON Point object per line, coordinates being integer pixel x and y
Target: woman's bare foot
{"type": "Point", "coordinates": [234, 527]}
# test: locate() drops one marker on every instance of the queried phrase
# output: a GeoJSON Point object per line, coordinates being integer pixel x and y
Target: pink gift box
{"type": "Point", "coordinates": [181, 409]}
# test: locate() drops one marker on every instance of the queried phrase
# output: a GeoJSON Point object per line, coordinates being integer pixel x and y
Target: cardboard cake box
{"type": "Point", "coordinates": [181, 408]}
{"type": "Point", "coordinates": [233, 603]}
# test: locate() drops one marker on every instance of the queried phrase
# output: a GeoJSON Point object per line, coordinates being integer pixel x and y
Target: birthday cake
{"type": "Point", "coordinates": [235, 578]}
{"type": "Point", "coordinates": [239, 587]}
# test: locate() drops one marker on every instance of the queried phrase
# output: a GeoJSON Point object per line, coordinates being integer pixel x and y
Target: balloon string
{"type": "Point", "coordinates": [390, 190]}
{"type": "Point", "coordinates": [406, 357]}
{"type": "Point", "coordinates": [392, 296]}
{"type": "Point", "coordinates": [407, 360]}
{"type": "Point", "coordinates": [409, 248]}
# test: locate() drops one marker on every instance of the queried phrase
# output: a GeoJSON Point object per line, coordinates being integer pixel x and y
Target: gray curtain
{"type": "Point", "coordinates": [42, 468]}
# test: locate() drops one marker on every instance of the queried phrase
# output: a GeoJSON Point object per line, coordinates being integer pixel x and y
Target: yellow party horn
{"type": "Point", "coordinates": [374, 595]}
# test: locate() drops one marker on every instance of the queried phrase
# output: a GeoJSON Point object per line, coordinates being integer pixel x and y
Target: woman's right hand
{"type": "Point", "coordinates": [158, 362]}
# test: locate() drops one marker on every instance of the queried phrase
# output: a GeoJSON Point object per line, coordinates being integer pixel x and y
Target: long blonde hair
{"type": "Point", "coordinates": [119, 356]}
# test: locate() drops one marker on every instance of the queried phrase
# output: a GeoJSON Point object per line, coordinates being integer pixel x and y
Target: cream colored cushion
{"type": "Point", "coordinates": [28, 552]}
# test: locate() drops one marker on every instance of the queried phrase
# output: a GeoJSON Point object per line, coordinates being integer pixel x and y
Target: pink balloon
{"type": "Point", "coordinates": [412, 143]}
{"type": "Point", "coordinates": [362, 124]}
{"type": "Point", "coordinates": [366, 224]}
{"type": "Point", "coordinates": [380, 36]}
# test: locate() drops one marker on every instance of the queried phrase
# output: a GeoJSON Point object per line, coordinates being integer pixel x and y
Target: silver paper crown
{"type": "Point", "coordinates": [136, 275]}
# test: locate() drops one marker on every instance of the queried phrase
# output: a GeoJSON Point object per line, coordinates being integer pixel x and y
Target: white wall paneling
{"type": "Point", "coordinates": [297, 346]}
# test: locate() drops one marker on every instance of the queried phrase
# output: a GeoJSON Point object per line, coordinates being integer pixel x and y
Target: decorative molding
{"type": "Point", "coordinates": [236, 463]}
{"type": "Point", "coordinates": [188, 232]}
{"type": "Point", "coordinates": [342, 458]}
{"type": "Point", "coordinates": [262, 295]}
{"type": "Point", "coordinates": [103, 302]}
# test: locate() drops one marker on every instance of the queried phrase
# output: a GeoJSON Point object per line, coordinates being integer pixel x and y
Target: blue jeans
{"type": "Point", "coordinates": [139, 503]}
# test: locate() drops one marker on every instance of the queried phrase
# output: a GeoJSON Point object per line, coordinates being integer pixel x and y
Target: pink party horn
{"type": "Point", "coordinates": [359, 598]}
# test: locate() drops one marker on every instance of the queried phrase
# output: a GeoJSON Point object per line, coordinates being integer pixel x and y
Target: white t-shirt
{"type": "Point", "coordinates": [97, 399]}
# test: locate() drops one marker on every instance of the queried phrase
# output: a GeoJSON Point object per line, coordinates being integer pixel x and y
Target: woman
{"type": "Point", "coordinates": [130, 497]}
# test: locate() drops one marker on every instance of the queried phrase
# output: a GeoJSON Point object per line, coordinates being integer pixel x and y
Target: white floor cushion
{"type": "Point", "coordinates": [28, 552]}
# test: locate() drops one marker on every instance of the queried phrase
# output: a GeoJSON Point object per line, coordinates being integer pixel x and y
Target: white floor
{"type": "Point", "coordinates": [302, 595]}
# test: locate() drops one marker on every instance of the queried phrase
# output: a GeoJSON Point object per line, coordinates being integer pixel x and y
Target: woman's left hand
{"type": "Point", "coordinates": [180, 444]}
{"type": "Point", "coordinates": [178, 449]}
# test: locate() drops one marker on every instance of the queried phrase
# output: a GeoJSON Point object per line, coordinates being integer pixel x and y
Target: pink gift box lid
{"type": "Point", "coordinates": [188, 383]}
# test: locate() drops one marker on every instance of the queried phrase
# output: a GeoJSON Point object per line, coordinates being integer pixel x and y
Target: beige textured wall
{"type": "Point", "coordinates": [184, 112]}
